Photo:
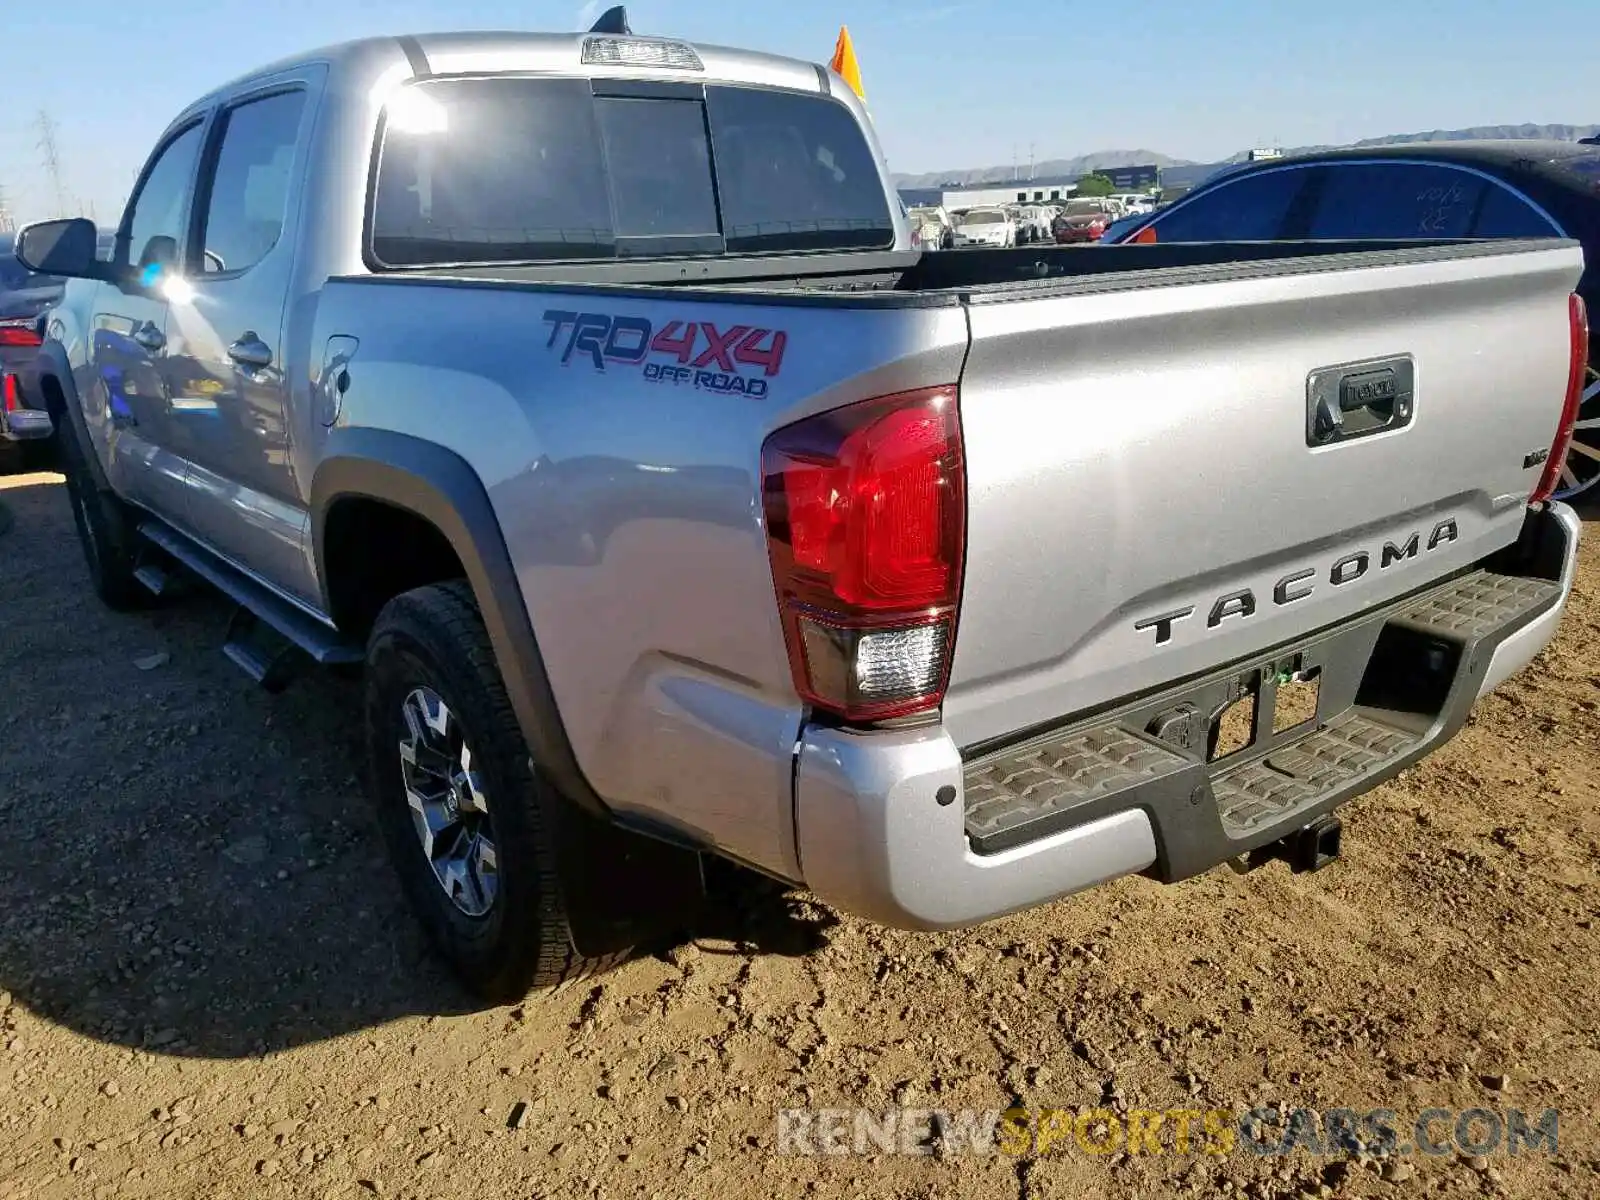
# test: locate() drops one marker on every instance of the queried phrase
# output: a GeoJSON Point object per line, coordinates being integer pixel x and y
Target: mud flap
{"type": "Point", "coordinates": [623, 889]}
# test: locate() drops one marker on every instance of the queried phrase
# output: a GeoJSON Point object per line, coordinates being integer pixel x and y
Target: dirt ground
{"type": "Point", "coordinates": [209, 986]}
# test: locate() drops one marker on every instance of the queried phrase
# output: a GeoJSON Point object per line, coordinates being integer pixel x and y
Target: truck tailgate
{"type": "Point", "coordinates": [1151, 493]}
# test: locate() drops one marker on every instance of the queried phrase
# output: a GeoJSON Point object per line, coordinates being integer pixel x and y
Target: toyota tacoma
{"type": "Point", "coordinates": [585, 394]}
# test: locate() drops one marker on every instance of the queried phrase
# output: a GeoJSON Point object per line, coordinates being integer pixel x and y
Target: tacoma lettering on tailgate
{"type": "Point", "coordinates": [692, 353]}
{"type": "Point", "coordinates": [1297, 585]}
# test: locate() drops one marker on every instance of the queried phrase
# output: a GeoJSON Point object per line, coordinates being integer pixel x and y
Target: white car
{"type": "Point", "coordinates": [986, 227]}
{"type": "Point", "coordinates": [1132, 202]}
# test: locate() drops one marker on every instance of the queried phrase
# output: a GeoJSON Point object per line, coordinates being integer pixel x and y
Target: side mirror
{"type": "Point", "coordinates": [65, 247]}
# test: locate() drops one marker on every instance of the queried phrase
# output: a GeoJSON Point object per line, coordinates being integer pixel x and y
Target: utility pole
{"type": "Point", "coordinates": [7, 223]}
{"type": "Point", "coordinates": [1030, 159]}
{"type": "Point", "coordinates": [52, 159]}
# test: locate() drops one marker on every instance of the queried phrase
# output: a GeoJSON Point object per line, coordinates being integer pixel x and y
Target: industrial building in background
{"type": "Point", "coordinates": [1043, 190]}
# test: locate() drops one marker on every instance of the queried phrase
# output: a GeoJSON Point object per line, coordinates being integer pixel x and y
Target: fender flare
{"type": "Point", "coordinates": [438, 485]}
{"type": "Point", "coordinates": [622, 887]}
{"type": "Point", "coordinates": [50, 362]}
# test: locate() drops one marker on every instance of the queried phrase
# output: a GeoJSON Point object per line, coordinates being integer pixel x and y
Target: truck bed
{"type": "Point", "coordinates": [943, 276]}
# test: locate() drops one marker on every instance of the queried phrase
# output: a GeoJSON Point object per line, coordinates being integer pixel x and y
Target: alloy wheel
{"type": "Point", "coordinates": [1582, 468]}
{"type": "Point", "coordinates": [449, 807]}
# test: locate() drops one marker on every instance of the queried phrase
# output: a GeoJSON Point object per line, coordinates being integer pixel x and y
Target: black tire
{"type": "Point", "coordinates": [105, 529]}
{"type": "Point", "coordinates": [433, 637]}
{"type": "Point", "coordinates": [41, 455]}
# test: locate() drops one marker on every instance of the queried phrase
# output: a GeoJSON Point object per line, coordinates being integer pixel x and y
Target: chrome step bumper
{"type": "Point", "coordinates": [896, 827]}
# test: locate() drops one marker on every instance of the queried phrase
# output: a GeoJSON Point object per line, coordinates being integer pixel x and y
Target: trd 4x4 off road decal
{"type": "Point", "coordinates": [692, 353]}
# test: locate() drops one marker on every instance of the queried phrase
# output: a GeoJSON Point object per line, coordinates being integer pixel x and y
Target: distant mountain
{"type": "Point", "coordinates": [1183, 171]}
{"type": "Point", "coordinates": [1476, 133]}
{"type": "Point", "coordinates": [1052, 168]}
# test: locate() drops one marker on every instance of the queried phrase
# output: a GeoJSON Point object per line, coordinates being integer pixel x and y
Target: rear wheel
{"type": "Point", "coordinates": [470, 828]}
{"type": "Point", "coordinates": [1582, 469]}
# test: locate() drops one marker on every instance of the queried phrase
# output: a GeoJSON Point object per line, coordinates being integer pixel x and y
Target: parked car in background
{"type": "Point", "coordinates": [24, 294]}
{"type": "Point", "coordinates": [1121, 225]}
{"type": "Point", "coordinates": [27, 434]}
{"type": "Point", "coordinates": [986, 227]}
{"type": "Point", "coordinates": [1427, 191]}
{"type": "Point", "coordinates": [1084, 219]}
{"type": "Point", "coordinates": [1040, 220]}
{"type": "Point", "coordinates": [1019, 218]}
{"type": "Point", "coordinates": [933, 226]}
{"type": "Point", "coordinates": [1134, 203]}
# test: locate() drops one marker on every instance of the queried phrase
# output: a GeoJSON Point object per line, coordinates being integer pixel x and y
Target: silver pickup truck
{"type": "Point", "coordinates": [585, 393]}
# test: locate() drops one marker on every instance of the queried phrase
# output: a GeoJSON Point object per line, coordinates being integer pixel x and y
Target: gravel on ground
{"type": "Point", "coordinates": [209, 986]}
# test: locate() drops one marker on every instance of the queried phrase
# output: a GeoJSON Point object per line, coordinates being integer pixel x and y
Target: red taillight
{"type": "Point", "coordinates": [1576, 369]}
{"type": "Point", "coordinates": [18, 333]}
{"type": "Point", "coordinates": [866, 526]}
{"type": "Point", "coordinates": [8, 392]}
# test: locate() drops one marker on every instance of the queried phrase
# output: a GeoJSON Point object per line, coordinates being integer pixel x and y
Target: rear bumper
{"type": "Point", "coordinates": [1523, 644]}
{"type": "Point", "coordinates": [896, 827]}
{"type": "Point", "coordinates": [22, 423]}
{"type": "Point", "coordinates": [25, 425]}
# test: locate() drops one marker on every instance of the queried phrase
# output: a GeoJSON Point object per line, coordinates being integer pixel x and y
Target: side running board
{"type": "Point", "coordinates": [263, 611]}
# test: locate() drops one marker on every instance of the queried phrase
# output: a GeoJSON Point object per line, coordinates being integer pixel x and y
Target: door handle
{"type": "Point", "coordinates": [1344, 403]}
{"type": "Point", "coordinates": [250, 351]}
{"type": "Point", "coordinates": [150, 337]}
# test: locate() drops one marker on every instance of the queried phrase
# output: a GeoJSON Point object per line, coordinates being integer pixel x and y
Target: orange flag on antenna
{"type": "Point", "coordinates": [844, 63]}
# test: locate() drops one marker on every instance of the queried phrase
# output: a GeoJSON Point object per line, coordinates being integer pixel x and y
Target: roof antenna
{"type": "Point", "coordinates": [613, 20]}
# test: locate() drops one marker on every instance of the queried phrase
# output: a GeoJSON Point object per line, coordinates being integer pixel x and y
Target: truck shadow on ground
{"type": "Point", "coordinates": [187, 864]}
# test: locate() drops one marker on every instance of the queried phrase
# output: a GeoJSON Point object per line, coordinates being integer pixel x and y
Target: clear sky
{"type": "Point", "coordinates": [951, 84]}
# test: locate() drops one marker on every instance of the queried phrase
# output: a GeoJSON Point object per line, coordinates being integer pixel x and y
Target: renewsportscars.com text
{"type": "Point", "coordinates": [1265, 1132]}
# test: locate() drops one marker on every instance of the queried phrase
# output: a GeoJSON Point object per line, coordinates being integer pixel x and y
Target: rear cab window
{"type": "Point", "coordinates": [518, 170]}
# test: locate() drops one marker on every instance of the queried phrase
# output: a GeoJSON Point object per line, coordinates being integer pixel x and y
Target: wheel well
{"type": "Point", "coordinates": [372, 551]}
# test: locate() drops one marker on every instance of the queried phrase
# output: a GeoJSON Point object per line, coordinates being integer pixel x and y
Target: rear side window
{"type": "Point", "coordinates": [249, 193]}
{"type": "Point", "coordinates": [1504, 214]}
{"type": "Point", "coordinates": [1252, 209]}
{"type": "Point", "coordinates": [528, 170]}
{"type": "Point", "coordinates": [1396, 200]}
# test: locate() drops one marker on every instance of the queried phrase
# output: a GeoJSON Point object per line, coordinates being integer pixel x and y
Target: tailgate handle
{"type": "Point", "coordinates": [1359, 399]}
